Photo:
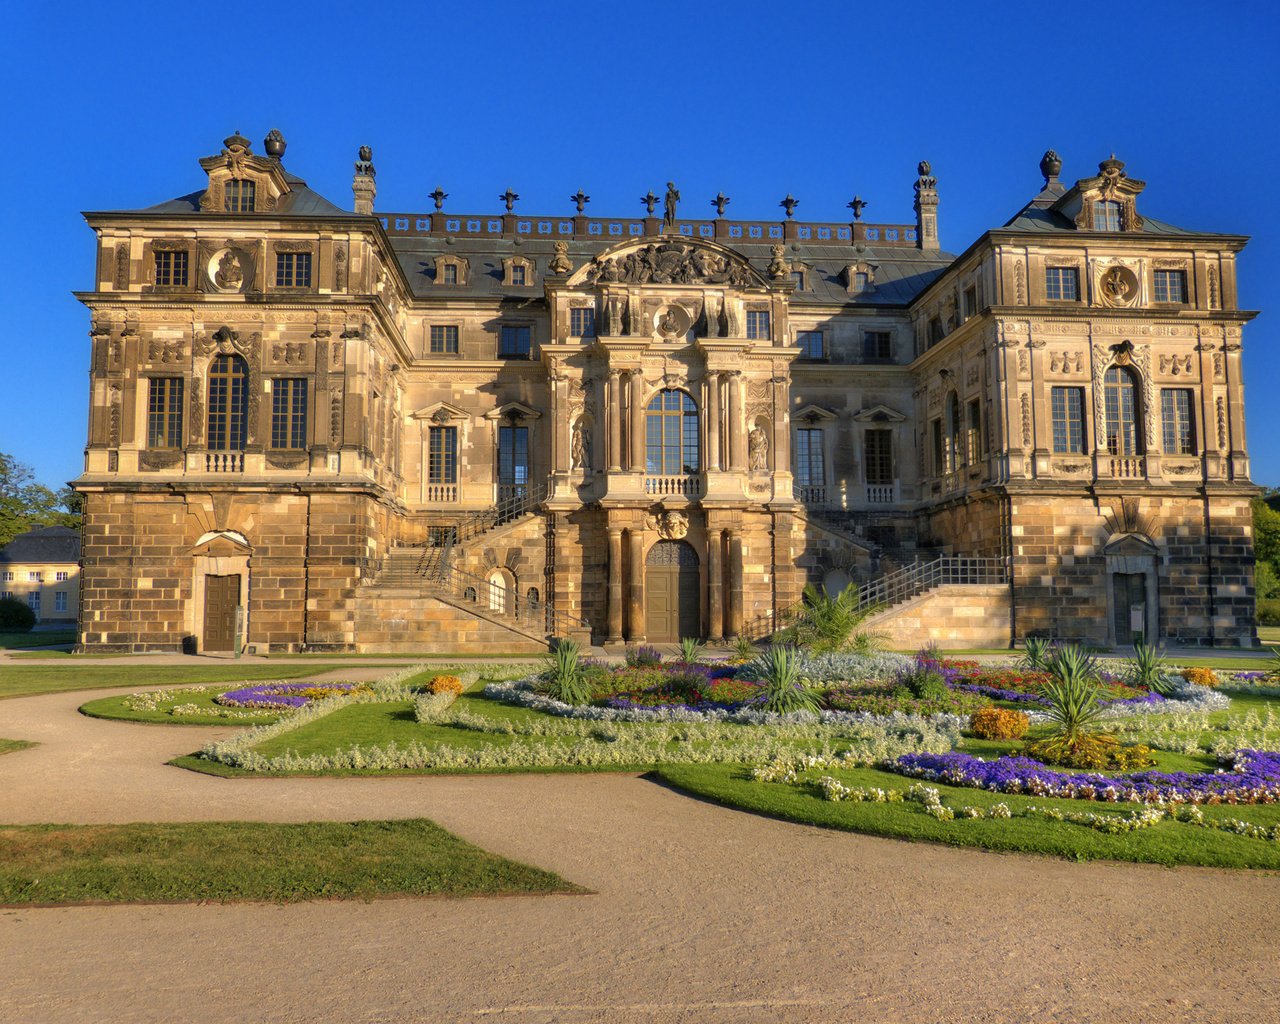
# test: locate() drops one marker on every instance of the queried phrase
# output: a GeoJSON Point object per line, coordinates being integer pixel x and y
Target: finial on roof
{"type": "Point", "coordinates": [1111, 167]}
{"type": "Point", "coordinates": [857, 204]}
{"type": "Point", "coordinates": [1050, 166]}
{"type": "Point", "coordinates": [789, 204]}
{"type": "Point", "coordinates": [720, 202]}
{"type": "Point", "coordinates": [649, 200]}
{"type": "Point", "coordinates": [364, 163]}
{"type": "Point", "coordinates": [580, 199]}
{"type": "Point", "coordinates": [509, 197]}
{"type": "Point", "coordinates": [274, 144]}
{"type": "Point", "coordinates": [439, 196]}
{"type": "Point", "coordinates": [236, 141]}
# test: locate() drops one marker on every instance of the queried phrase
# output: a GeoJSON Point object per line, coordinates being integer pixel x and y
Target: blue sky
{"type": "Point", "coordinates": [111, 105]}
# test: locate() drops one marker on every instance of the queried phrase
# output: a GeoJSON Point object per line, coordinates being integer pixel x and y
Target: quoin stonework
{"type": "Point", "coordinates": [319, 429]}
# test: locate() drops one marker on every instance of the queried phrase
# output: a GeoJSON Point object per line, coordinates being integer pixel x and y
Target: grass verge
{"type": "Point", "coordinates": [1169, 843]}
{"type": "Point", "coordinates": [116, 709]}
{"type": "Point", "coordinates": [9, 746]}
{"type": "Point", "coordinates": [36, 638]}
{"type": "Point", "coordinates": [232, 861]}
{"type": "Point", "coordinates": [29, 680]}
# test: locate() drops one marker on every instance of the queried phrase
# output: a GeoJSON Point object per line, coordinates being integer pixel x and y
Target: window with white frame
{"type": "Point", "coordinates": [1106, 215]}
{"type": "Point", "coordinates": [1171, 285]}
{"type": "Point", "coordinates": [810, 344]}
{"type": "Point", "coordinates": [33, 601]}
{"type": "Point", "coordinates": [61, 577]}
{"type": "Point", "coordinates": [758, 324]}
{"type": "Point", "coordinates": [60, 601]}
{"type": "Point", "coordinates": [35, 577]}
{"type": "Point", "coordinates": [1061, 284]}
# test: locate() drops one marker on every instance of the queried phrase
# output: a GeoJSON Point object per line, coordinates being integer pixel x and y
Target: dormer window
{"type": "Point", "coordinates": [450, 273]}
{"type": "Point", "coordinates": [451, 270]}
{"type": "Point", "coordinates": [1106, 215]}
{"type": "Point", "coordinates": [518, 274]}
{"type": "Point", "coordinates": [239, 195]}
{"type": "Point", "coordinates": [797, 279]}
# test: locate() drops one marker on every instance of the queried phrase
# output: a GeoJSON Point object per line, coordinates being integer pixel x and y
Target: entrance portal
{"type": "Point", "coordinates": [1130, 606]}
{"type": "Point", "coordinates": [672, 592]}
{"type": "Point", "coordinates": [221, 599]}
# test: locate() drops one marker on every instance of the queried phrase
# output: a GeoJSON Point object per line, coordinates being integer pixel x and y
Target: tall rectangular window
{"type": "Point", "coordinates": [1106, 215]}
{"type": "Point", "coordinates": [939, 451]}
{"type": "Point", "coordinates": [582, 322]}
{"type": "Point", "coordinates": [1061, 284]}
{"type": "Point", "coordinates": [442, 456]}
{"type": "Point", "coordinates": [164, 412]}
{"type": "Point", "coordinates": [449, 273]}
{"type": "Point", "coordinates": [877, 457]}
{"type": "Point", "coordinates": [33, 601]}
{"type": "Point", "coordinates": [293, 270]}
{"type": "Point", "coordinates": [171, 267]}
{"type": "Point", "coordinates": [973, 434]}
{"type": "Point", "coordinates": [1171, 285]}
{"type": "Point", "coordinates": [239, 195]}
{"type": "Point", "coordinates": [515, 342]}
{"type": "Point", "coordinates": [1067, 411]}
{"type": "Point", "coordinates": [289, 412]}
{"type": "Point", "coordinates": [518, 273]}
{"type": "Point", "coordinates": [513, 462]}
{"type": "Point", "coordinates": [860, 280]}
{"type": "Point", "coordinates": [936, 331]}
{"type": "Point", "coordinates": [877, 347]}
{"type": "Point", "coordinates": [809, 462]}
{"type": "Point", "coordinates": [758, 324]}
{"type": "Point", "coordinates": [811, 346]}
{"type": "Point", "coordinates": [969, 306]}
{"type": "Point", "coordinates": [444, 339]}
{"type": "Point", "coordinates": [60, 601]}
{"type": "Point", "coordinates": [1178, 421]}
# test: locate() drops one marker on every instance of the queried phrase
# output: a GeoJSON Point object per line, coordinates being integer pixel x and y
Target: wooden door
{"type": "Point", "coordinates": [671, 592]}
{"type": "Point", "coordinates": [221, 599]}
{"type": "Point", "coordinates": [1130, 592]}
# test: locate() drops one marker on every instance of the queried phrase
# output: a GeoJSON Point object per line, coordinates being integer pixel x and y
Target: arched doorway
{"type": "Point", "coordinates": [501, 589]}
{"type": "Point", "coordinates": [672, 592]}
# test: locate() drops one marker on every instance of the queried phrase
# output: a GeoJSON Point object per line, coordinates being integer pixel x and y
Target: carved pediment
{"type": "Point", "coordinates": [672, 260]}
{"type": "Point", "coordinates": [879, 414]}
{"type": "Point", "coordinates": [440, 412]}
{"type": "Point", "coordinates": [238, 162]}
{"type": "Point", "coordinates": [813, 414]}
{"type": "Point", "coordinates": [512, 411]}
{"type": "Point", "coordinates": [222, 543]}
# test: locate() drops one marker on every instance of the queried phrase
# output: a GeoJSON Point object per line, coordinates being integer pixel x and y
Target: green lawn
{"type": "Point", "coordinates": [45, 638]}
{"type": "Point", "coordinates": [1166, 843]}
{"type": "Point", "coordinates": [27, 680]}
{"type": "Point", "coordinates": [9, 746]}
{"type": "Point", "coordinates": [227, 861]}
{"type": "Point", "coordinates": [117, 709]}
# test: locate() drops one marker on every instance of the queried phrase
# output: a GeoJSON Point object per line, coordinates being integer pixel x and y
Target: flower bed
{"type": "Point", "coordinates": [285, 695]}
{"type": "Point", "coordinates": [1253, 776]}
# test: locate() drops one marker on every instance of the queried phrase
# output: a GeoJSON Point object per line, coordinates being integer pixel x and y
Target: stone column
{"type": "Point", "coordinates": [713, 421]}
{"type": "Point", "coordinates": [615, 585]}
{"type": "Point", "coordinates": [737, 449]}
{"type": "Point", "coordinates": [715, 585]}
{"type": "Point", "coordinates": [781, 426]}
{"type": "Point", "coordinates": [637, 421]}
{"type": "Point", "coordinates": [635, 610]}
{"type": "Point", "coordinates": [735, 583]}
{"type": "Point", "coordinates": [614, 414]}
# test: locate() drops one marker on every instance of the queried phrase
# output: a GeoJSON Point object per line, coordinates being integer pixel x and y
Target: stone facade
{"type": "Point", "coordinates": [647, 428]}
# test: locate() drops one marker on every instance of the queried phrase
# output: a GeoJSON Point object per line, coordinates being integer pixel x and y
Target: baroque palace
{"type": "Point", "coordinates": [329, 430]}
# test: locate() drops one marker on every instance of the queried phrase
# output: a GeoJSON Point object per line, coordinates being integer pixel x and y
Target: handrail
{"type": "Point", "coordinates": [944, 570]}
{"type": "Point", "coordinates": [536, 616]}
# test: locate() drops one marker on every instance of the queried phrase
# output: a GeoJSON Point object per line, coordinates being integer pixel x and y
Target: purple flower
{"type": "Point", "coordinates": [275, 695]}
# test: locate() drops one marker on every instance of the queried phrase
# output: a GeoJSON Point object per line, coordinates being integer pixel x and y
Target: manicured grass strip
{"type": "Point", "coordinates": [116, 710]}
{"type": "Point", "coordinates": [27, 680]}
{"type": "Point", "coordinates": [46, 638]}
{"type": "Point", "coordinates": [1170, 843]}
{"type": "Point", "coordinates": [9, 746]}
{"type": "Point", "coordinates": [228, 861]}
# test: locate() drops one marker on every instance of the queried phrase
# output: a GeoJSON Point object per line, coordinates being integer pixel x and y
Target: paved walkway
{"type": "Point", "coordinates": [702, 914]}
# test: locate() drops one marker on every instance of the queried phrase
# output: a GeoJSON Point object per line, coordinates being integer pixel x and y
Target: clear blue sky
{"type": "Point", "coordinates": [111, 105]}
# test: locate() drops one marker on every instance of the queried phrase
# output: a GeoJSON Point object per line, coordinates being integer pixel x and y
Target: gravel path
{"type": "Point", "coordinates": [702, 914]}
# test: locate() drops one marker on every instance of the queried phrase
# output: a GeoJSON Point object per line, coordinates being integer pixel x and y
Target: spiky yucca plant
{"type": "Point", "coordinates": [1036, 651]}
{"type": "Point", "coordinates": [783, 691]}
{"type": "Point", "coordinates": [744, 648]}
{"type": "Point", "coordinates": [565, 679]}
{"type": "Point", "coordinates": [689, 648]}
{"type": "Point", "coordinates": [1072, 690]}
{"type": "Point", "coordinates": [1147, 668]}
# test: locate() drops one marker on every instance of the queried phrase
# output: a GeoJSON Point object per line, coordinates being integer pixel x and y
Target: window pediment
{"type": "Point", "coordinates": [440, 412]}
{"type": "Point", "coordinates": [513, 411]}
{"type": "Point", "coordinates": [813, 415]}
{"type": "Point", "coordinates": [879, 414]}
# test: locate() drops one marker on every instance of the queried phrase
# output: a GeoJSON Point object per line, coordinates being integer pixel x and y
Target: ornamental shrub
{"type": "Point", "coordinates": [689, 648]}
{"type": "Point", "coordinates": [783, 690]}
{"type": "Point", "coordinates": [15, 616]}
{"type": "Point", "coordinates": [1036, 652]}
{"type": "Point", "coordinates": [565, 681]}
{"type": "Point", "coordinates": [643, 656]}
{"type": "Point", "coordinates": [445, 684]}
{"type": "Point", "coordinates": [999, 724]}
{"type": "Point", "coordinates": [1097, 753]}
{"type": "Point", "coordinates": [1201, 676]}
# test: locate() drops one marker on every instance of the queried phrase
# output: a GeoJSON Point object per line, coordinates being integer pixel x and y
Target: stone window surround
{"type": "Point", "coordinates": [851, 273]}
{"type": "Point", "coordinates": [509, 263]}
{"type": "Point", "coordinates": [294, 246]}
{"type": "Point", "coordinates": [448, 259]}
{"type": "Point", "coordinates": [426, 340]}
{"type": "Point", "coordinates": [1188, 281]}
{"type": "Point", "coordinates": [153, 245]}
{"type": "Point", "coordinates": [1038, 281]}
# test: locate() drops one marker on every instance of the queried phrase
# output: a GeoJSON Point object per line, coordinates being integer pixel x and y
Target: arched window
{"type": "Point", "coordinates": [671, 434]}
{"type": "Point", "coordinates": [228, 404]}
{"type": "Point", "coordinates": [1120, 396]}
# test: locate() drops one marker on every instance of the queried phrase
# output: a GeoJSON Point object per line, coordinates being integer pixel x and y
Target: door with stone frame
{"type": "Point", "coordinates": [221, 602]}
{"type": "Point", "coordinates": [672, 592]}
{"type": "Point", "coordinates": [1130, 590]}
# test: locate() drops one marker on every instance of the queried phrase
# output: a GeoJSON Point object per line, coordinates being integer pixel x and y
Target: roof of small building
{"type": "Point", "coordinates": [299, 201]}
{"type": "Point", "coordinates": [43, 544]}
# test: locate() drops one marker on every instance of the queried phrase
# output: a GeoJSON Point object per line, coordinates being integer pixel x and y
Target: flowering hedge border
{"type": "Point", "coordinates": [1253, 777]}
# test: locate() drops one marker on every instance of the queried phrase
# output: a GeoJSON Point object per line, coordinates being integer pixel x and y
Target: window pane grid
{"type": "Point", "coordinates": [810, 468]}
{"type": "Point", "coordinates": [878, 458]}
{"type": "Point", "coordinates": [1106, 215]}
{"type": "Point", "coordinates": [513, 456]}
{"type": "Point", "coordinates": [239, 196]}
{"type": "Point", "coordinates": [758, 324]}
{"type": "Point", "coordinates": [289, 413]}
{"type": "Point", "coordinates": [1171, 286]}
{"type": "Point", "coordinates": [877, 346]}
{"type": "Point", "coordinates": [1178, 423]}
{"type": "Point", "coordinates": [444, 339]}
{"type": "Point", "coordinates": [810, 343]}
{"type": "Point", "coordinates": [1121, 413]}
{"type": "Point", "coordinates": [293, 269]}
{"type": "Point", "coordinates": [442, 456]}
{"type": "Point", "coordinates": [171, 268]}
{"type": "Point", "coordinates": [228, 404]}
{"type": "Point", "coordinates": [582, 322]}
{"type": "Point", "coordinates": [1061, 283]}
{"type": "Point", "coordinates": [164, 413]}
{"type": "Point", "coordinates": [515, 341]}
{"type": "Point", "coordinates": [1067, 410]}
{"type": "Point", "coordinates": [671, 435]}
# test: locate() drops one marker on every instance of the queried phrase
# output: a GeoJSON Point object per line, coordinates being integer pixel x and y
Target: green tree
{"type": "Point", "coordinates": [1266, 532]}
{"type": "Point", "coordinates": [24, 503]}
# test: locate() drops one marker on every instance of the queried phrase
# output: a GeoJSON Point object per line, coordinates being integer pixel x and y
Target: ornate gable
{"type": "Point", "coordinates": [236, 173]}
{"type": "Point", "coordinates": [1111, 185]}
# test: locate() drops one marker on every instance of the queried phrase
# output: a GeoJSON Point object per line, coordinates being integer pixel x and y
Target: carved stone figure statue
{"type": "Point", "coordinates": [560, 262]}
{"type": "Point", "coordinates": [580, 446]}
{"type": "Point", "coordinates": [229, 274]}
{"type": "Point", "coordinates": [778, 267]}
{"type": "Point", "coordinates": [669, 525]}
{"type": "Point", "coordinates": [758, 448]}
{"type": "Point", "coordinates": [669, 205]}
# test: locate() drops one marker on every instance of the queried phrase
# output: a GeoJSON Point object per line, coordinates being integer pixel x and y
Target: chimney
{"type": "Point", "coordinates": [362, 185]}
{"type": "Point", "coordinates": [926, 207]}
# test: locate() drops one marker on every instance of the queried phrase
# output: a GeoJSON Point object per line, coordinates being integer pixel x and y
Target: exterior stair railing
{"type": "Point", "coordinates": [535, 616]}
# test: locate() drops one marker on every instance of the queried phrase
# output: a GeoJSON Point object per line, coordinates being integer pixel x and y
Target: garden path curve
{"type": "Point", "coordinates": [700, 914]}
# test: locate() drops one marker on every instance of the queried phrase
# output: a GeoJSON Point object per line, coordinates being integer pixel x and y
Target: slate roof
{"type": "Point", "coordinates": [901, 272]}
{"type": "Point", "coordinates": [1032, 218]}
{"type": "Point", "coordinates": [43, 544]}
{"type": "Point", "coordinates": [300, 201]}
